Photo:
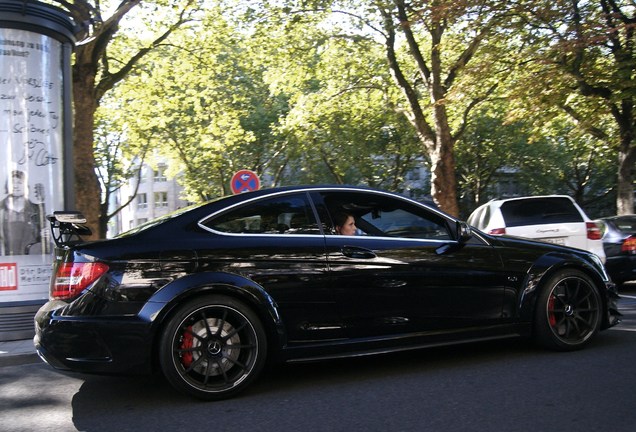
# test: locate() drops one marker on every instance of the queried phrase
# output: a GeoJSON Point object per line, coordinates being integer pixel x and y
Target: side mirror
{"type": "Point", "coordinates": [464, 233]}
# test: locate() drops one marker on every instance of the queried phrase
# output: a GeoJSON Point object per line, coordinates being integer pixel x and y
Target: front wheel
{"type": "Point", "coordinates": [568, 312]}
{"type": "Point", "coordinates": [212, 348]}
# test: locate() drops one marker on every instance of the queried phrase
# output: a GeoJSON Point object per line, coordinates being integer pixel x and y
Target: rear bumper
{"type": "Point", "coordinates": [104, 345]}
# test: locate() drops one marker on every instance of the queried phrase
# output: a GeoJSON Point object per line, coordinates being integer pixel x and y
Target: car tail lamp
{"type": "Point", "coordinates": [497, 231]}
{"type": "Point", "coordinates": [72, 278]}
{"type": "Point", "coordinates": [629, 245]}
{"type": "Point", "coordinates": [593, 231]}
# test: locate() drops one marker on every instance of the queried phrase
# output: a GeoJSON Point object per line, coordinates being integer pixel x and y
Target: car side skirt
{"type": "Point", "coordinates": [404, 342]}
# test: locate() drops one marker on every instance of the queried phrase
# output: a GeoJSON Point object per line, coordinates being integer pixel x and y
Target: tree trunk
{"type": "Point", "coordinates": [87, 189]}
{"type": "Point", "coordinates": [625, 187]}
{"type": "Point", "coordinates": [443, 181]}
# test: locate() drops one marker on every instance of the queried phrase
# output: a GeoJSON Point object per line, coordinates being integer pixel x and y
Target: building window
{"type": "Point", "coordinates": [161, 199]}
{"type": "Point", "coordinates": [142, 201]}
{"type": "Point", "coordinates": [160, 173]}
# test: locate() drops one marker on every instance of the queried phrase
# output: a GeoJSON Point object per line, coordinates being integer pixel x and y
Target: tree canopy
{"type": "Point", "coordinates": [361, 91]}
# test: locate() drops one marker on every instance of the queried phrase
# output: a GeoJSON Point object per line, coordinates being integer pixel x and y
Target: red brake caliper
{"type": "Point", "coordinates": [186, 357]}
{"type": "Point", "coordinates": [551, 317]}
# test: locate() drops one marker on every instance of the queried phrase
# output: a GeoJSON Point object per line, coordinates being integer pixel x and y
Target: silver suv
{"type": "Point", "coordinates": [553, 218]}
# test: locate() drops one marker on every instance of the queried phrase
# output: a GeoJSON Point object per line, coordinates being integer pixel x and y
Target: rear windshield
{"type": "Point", "coordinates": [538, 211]}
{"type": "Point", "coordinates": [626, 224]}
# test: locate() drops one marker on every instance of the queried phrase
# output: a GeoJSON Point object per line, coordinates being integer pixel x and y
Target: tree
{"type": "Point", "coordinates": [119, 158]}
{"type": "Point", "coordinates": [342, 125]}
{"type": "Point", "coordinates": [489, 147]}
{"type": "Point", "coordinates": [584, 59]}
{"type": "Point", "coordinates": [202, 102]}
{"type": "Point", "coordinates": [96, 72]}
{"type": "Point", "coordinates": [431, 48]}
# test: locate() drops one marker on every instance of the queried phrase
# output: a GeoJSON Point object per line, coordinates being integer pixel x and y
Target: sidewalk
{"type": "Point", "coordinates": [17, 352]}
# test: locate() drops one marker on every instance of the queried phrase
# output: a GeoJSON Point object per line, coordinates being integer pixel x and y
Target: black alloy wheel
{"type": "Point", "coordinates": [212, 348]}
{"type": "Point", "coordinates": [568, 311]}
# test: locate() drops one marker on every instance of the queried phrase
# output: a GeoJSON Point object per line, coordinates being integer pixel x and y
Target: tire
{"type": "Point", "coordinates": [568, 312]}
{"type": "Point", "coordinates": [212, 348]}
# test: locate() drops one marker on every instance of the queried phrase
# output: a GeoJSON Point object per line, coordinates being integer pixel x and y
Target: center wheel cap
{"type": "Point", "coordinates": [569, 310]}
{"type": "Point", "coordinates": [214, 347]}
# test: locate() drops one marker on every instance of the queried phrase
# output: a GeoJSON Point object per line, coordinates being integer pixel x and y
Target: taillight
{"type": "Point", "coordinates": [629, 245]}
{"type": "Point", "coordinates": [497, 231]}
{"type": "Point", "coordinates": [72, 278]}
{"type": "Point", "coordinates": [593, 231]}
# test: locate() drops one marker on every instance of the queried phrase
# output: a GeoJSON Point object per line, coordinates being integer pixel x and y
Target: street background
{"type": "Point", "coordinates": [496, 386]}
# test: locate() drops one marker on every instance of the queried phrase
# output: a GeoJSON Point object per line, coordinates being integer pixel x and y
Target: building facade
{"type": "Point", "coordinates": [156, 196]}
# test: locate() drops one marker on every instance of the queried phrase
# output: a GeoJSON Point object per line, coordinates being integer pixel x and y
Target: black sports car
{"type": "Point", "coordinates": [209, 294]}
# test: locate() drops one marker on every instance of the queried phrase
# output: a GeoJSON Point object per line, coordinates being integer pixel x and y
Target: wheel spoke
{"type": "Point", "coordinates": [586, 322]}
{"type": "Point", "coordinates": [241, 346]}
{"type": "Point", "coordinates": [584, 299]}
{"type": "Point", "coordinates": [187, 329]}
{"type": "Point", "coordinates": [188, 350]}
{"type": "Point", "coordinates": [233, 332]}
{"type": "Point", "coordinates": [204, 320]}
{"type": "Point", "coordinates": [571, 298]}
{"type": "Point", "coordinates": [207, 373]}
{"type": "Point", "coordinates": [223, 372]}
{"type": "Point", "coordinates": [194, 364]}
{"type": "Point", "coordinates": [573, 325]}
{"type": "Point", "coordinates": [240, 365]}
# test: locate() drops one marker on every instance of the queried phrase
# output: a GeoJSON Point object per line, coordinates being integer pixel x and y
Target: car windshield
{"type": "Point", "coordinates": [538, 211]}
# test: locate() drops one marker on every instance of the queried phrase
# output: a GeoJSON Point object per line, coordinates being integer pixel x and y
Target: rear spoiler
{"type": "Point", "coordinates": [67, 227]}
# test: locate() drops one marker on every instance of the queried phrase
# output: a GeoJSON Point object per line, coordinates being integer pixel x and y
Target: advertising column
{"type": "Point", "coordinates": [35, 45]}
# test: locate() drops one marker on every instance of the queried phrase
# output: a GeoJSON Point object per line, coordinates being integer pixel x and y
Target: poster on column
{"type": "Point", "coordinates": [31, 98]}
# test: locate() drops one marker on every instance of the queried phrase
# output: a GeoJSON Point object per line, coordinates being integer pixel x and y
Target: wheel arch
{"type": "Point", "coordinates": [161, 306]}
{"type": "Point", "coordinates": [546, 267]}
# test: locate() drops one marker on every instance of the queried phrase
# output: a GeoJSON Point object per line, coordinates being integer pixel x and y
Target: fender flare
{"type": "Point", "coordinates": [544, 268]}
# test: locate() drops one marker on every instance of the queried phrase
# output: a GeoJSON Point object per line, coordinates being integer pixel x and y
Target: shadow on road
{"type": "Point", "coordinates": [395, 390]}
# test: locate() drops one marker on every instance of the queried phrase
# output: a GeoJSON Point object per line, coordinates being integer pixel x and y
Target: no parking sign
{"type": "Point", "coordinates": [244, 181]}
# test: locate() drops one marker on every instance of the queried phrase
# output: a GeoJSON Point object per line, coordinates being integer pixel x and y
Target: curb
{"type": "Point", "coordinates": [18, 359]}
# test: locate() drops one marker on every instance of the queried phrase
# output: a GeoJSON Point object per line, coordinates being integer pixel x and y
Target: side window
{"type": "Point", "coordinates": [401, 222]}
{"type": "Point", "coordinates": [385, 216]}
{"type": "Point", "coordinates": [287, 214]}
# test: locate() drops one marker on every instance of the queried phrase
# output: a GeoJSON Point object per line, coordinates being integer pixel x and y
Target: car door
{"type": "Point", "coordinates": [404, 272]}
{"type": "Point", "coordinates": [276, 242]}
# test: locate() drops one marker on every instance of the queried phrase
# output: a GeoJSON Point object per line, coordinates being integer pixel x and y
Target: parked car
{"type": "Point", "coordinates": [208, 294]}
{"type": "Point", "coordinates": [554, 219]}
{"type": "Point", "coordinates": [619, 243]}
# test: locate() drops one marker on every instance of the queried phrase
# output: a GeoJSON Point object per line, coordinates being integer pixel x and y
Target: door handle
{"type": "Point", "coordinates": [357, 252]}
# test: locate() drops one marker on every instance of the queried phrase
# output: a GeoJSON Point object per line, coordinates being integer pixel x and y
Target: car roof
{"type": "Point", "coordinates": [529, 197]}
{"type": "Point", "coordinates": [200, 211]}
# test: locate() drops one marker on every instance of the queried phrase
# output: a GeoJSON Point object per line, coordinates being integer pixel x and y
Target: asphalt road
{"type": "Point", "coordinates": [503, 386]}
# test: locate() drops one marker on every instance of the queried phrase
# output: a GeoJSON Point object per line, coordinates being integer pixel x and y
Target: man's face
{"type": "Point", "coordinates": [16, 185]}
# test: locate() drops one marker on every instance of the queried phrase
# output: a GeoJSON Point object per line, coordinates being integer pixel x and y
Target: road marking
{"type": "Point", "coordinates": [623, 329]}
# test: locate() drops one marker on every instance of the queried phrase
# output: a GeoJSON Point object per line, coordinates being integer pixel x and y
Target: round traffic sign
{"type": "Point", "coordinates": [244, 181]}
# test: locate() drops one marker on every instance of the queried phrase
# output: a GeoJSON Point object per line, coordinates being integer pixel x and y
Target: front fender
{"type": "Point", "coordinates": [550, 263]}
{"type": "Point", "coordinates": [169, 297]}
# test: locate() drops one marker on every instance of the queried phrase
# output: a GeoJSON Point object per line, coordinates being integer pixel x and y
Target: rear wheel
{"type": "Point", "coordinates": [212, 348]}
{"type": "Point", "coordinates": [568, 312]}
